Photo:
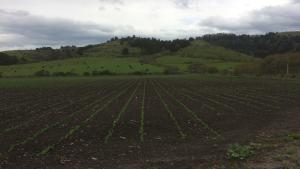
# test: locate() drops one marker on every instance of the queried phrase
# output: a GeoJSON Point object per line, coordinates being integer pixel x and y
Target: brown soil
{"type": "Point", "coordinates": [239, 111]}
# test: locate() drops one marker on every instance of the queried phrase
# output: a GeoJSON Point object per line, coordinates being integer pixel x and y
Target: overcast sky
{"type": "Point", "coordinates": [32, 23]}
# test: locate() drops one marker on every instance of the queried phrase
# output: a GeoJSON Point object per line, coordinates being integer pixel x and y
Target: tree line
{"type": "Point", "coordinates": [6, 59]}
{"type": "Point", "coordinates": [256, 45]}
{"type": "Point", "coordinates": [150, 46]}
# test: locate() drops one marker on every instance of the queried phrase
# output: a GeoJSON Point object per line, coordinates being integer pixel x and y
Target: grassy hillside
{"type": "Point", "coordinates": [291, 33]}
{"type": "Point", "coordinates": [82, 65]}
{"type": "Point", "coordinates": [201, 52]}
{"type": "Point", "coordinates": [108, 49]}
{"type": "Point", "coordinates": [109, 57]}
{"type": "Point", "coordinates": [111, 49]}
{"type": "Point", "coordinates": [23, 54]}
{"type": "Point", "coordinates": [204, 50]}
{"type": "Point", "coordinates": [183, 62]}
{"type": "Point", "coordinates": [46, 54]}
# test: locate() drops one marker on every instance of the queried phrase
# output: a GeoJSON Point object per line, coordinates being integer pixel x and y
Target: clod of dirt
{"type": "Point", "coordinates": [133, 121]}
{"type": "Point", "coordinates": [134, 147]}
{"type": "Point", "coordinates": [63, 160]}
{"type": "Point", "coordinates": [158, 138]}
{"type": "Point", "coordinates": [94, 158]}
{"type": "Point", "coordinates": [123, 138]}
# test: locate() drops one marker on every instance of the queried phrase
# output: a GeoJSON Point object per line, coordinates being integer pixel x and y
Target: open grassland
{"type": "Point", "coordinates": [183, 63]}
{"type": "Point", "coordinates": [204, 50]}
{"type": "Point", "coordinates": [200, 52]}
{"type": "Point", "coordinates": [134, 122]}
{"type": "Point", "coordinates": [81, 65]}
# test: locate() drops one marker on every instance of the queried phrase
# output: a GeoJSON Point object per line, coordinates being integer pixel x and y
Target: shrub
{"type": "Point", "coordinates": [104, 72]}
{"type": "Point", "coordinates": [64, 74]}
{"type": "Point", "coordinates": [238, 152]}
{"type": "Point", "coordinates": [225, 72]}
{"type": "Point", "coordinates": [294, 136]}
{"type": "Point", "coordinates": [247, 68]}
{"type": "Point", "coordinates": [58, 74]}
{"type": "Point", "coordinates": [196, 68]}
{"type": "Point", "coordinates": [139, 73]}
{"type": "Point", "coordinates": [42, 73]}
{"type": "Point", "coordinates": [125, 51]}
{"type": "Point", "coordinates": [211, 70]}
{"type": "Point", "coordinates": [70, 74]}
{"type": "Point", "coordinates": [171, 70]}
{"type": "Point", "coordinates": [23, 60]}
{"type": "Point", "coordinates": [6, 59]}
{"type": "Point", "coordinates": [277, 64]}
{"type": "Point", "coordinates": [107, 72]}
{"type": "Point", "coordinates": [86, 74]}
{"type": "Point", "coordinates": [200, 68]}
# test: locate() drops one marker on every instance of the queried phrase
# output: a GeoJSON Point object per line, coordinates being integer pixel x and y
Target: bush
{"type": "Point", "coordinates": [86, 74]}
{"type": "Point", "coordinates": [70, 74]}
{"type": "Point", "coordinates": [200, 68]}
{"type": "Point", "coordinates": [125, 51]}
{"type": "Point", "coordinates": [58, 74]}
{"type": "Point", "coordinates": [211, 70]}
{"type": "Point", "coordinates": [23, 60]}
{"type": "Point", "coordinates": [42, 73]}
{"type": "Point", "coordinates": [104, 72]}
{"type": "Point", "coordinates": [171, 70]}
{"type": "Point", "coordinates": [247, 68]}
{"type": "Point", "coordinates": [225, 72]}
{"type": "Point", "coordinates": [238, 152]}
{"type": "Point", "coordinates": [294, 136]}
{"type": "Point", "coordinates": [277, 64]}
{"type": "Point", "coordinates": [64, 74]}
{"type": "Point", "coordinates": [6, 59]}
{"type": "Point", "coordinates": [139, 73]}
{"type": "Point", "coordinates": [196, 68]}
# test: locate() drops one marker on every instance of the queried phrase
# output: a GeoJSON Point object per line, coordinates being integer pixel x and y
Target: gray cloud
{"type": "Point", "coordinates": [182, 3]}
{"type": "Point", "coordinates": [111, 1]}
{"type": "Point", "coordinates": [21, 29]}
{"type": "Point", "coordinates": [166, 19]}
{"type": "Point", "coordinates": [114, 3]}
{"type": "Point", "coordinates": [275, 19]}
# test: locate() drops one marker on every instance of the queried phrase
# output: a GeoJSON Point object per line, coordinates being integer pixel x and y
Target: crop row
{"type": "Point", "coordinates": [171, 115]}
{"type": "Point", "coordinates": [58, 123]}
{"type": "Point", "coordinates": [193, 114]}
{"type": "Point", "coordinates": [116, 120]}
{"type": "Point", "coordinates": [43, 101]}
{"type": "Point", "coordinates": [85, 98]}
{"type": "Point", "coordinates": [83, 123]}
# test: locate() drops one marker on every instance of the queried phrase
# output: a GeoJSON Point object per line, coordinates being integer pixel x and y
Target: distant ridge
{"type": "Point", "coordinates": [290, 33]}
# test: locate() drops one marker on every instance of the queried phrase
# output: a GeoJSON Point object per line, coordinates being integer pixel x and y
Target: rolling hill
{"type": "Point", "coordinates": [201, 52]}
{"type": "Point", "coordinates": [108, 57]}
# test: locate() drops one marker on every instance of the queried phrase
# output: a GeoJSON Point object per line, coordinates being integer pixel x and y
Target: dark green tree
{"type": "Point", "coordinates": [125, 51]}
{"type": "Point", "coordinates": [6, 59]}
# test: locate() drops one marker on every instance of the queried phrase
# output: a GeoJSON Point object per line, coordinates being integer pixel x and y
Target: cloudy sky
{"type": "Point", "coordinates": [28, 24]}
